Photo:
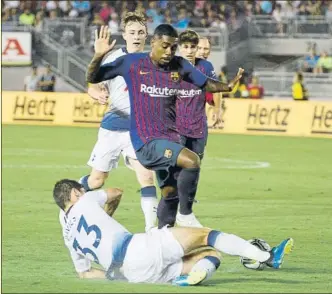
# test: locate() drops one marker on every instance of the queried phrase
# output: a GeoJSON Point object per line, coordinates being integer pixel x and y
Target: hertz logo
{"type": "Point", "coordinates": [321, 120]}
{"type": "Point", "coordinates": [267, 119]}
{"type": "Point", "coordinates": [31, 109]}
{"type": "Point", "coordinates": [88, 111]}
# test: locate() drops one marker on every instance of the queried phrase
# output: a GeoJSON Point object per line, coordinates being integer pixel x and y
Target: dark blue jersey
{"type": "Point", "coordinates": [153, 93]}
{"type": "Point", "coordinates": [191, 118]}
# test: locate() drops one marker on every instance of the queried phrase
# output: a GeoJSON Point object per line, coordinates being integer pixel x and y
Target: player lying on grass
{"type": "Point", "coordinates": [153, 81]}
{"type": "Point", "coordinates": [158, 256]}
{"type": "Point", "coordinates": [113, 137]}
{"type": "Point", "coordinates": [191, 120]}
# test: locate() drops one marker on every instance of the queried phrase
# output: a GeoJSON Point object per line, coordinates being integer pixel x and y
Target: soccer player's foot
{"type": "Point", "coordinates": [192, 279]}
{"type": "Point", "coordinates": [278, 253]}
{"type": "Point", "coordinates": [189, 220]}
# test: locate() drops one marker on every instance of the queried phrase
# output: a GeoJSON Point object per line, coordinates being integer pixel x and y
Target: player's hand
{"type": "Point", "coordinates": [103, 95]}
{"type": "Point", "coordinates": [237, 78]}
{"type": "Point", "coordinates": [102, 45]}
{"type": "Point", "coordinates": [100, 94]}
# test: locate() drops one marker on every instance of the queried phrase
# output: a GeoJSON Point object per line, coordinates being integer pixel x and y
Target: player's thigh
{"type": "Point", "coordinates": [150, 257]}
{"type": "Point", "coordinates": [190, 238]}
{"type": "Point", "coordinates": [144, 176]}
{"type": "Point", "coordinates": [128, 151]}
{"type": "Point", "coordinates": [191, 259]}
{"type": "Point", "coordinates": [159, 154]}
{"type": "Point", "coordinates": [106, 152]}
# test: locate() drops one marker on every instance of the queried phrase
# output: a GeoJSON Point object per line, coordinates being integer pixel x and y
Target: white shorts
{"type": "Point", "coordinates": [153, 257]}
{"type": "Point", "coordinates": [110, 145]}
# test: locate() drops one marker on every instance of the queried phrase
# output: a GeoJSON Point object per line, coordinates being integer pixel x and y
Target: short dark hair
{"type": "Point", "coordinates": [189, 36]}
{"type": "Point", "coordinates": [62, 190]}
{"type": "Point", "coordinates": [165, 30]}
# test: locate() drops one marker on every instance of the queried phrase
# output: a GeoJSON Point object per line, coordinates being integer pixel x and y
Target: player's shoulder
{"type": "Point", "coordinates": [138, 56]}
{"type": "Point", "coordinates": [204, 63]}
{"type": "Point", "coordinates": [110, 57]}
{"type": "Point", "coordinates": [62, 216]}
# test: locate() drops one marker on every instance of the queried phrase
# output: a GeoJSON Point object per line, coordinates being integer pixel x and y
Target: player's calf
{"type": "Point", "coordinates": [167, 207]}
{"type": "Point", "coordinates": [194, 238]}
{"type": "Point", "coordinates": [149, 200]}
{"type": "Point", "coordinates": [187, 184]}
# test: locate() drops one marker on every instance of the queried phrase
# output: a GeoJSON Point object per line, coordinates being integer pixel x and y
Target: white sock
{"type": "Point", "coordinates": [209, 264]}
{"type": "Point", "coordinates": [234, 245]}
{"type": "Point", "coordinates": [149, 207]}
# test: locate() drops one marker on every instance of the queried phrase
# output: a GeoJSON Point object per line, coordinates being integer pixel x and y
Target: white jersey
{"type": "Point", "coordinates": [90, 234]}
{"type": "Point", "coordinates": [117, 87]}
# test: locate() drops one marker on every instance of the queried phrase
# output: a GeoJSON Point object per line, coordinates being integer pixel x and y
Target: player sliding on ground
{"type": "Point", "coordinates": [113, 136]}
{"type": "Point", "coordinates": [153, 81]}
{"type": "Point", "coordinates": [158, 256]}
{"type": "Point", "coordinates": [191, 120]}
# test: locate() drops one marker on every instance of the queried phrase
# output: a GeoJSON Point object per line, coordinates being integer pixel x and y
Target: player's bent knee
{"type": "Point", "coordinates": [169, 191]}
{"type": "Point", "coordinates": [97, 179]}
{"type": "Point", "coordinates": [196, 161]}
{"type": "Point", "coordinates": [193, 161]}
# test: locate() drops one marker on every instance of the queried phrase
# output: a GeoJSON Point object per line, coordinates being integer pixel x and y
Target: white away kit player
{"type": "Point", "coordinates": [158, 256]}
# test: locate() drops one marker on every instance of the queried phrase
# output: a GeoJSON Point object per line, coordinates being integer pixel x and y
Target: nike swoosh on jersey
{"type": "Point", "coordinates": [143, 72]}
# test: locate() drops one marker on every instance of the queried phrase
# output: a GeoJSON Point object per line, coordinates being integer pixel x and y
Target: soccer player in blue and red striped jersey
{"type": "Point", "coordinates": [191, 120]}
{"type": "Point", "coordinates": [154, 81]}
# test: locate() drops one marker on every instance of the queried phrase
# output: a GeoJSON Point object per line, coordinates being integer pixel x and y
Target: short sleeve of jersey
{"type": "Point", "coordinates": [191, 74]}
{"type": "Point", "coordinates": [99, 196]}
{"type": "Point", "coordinates": [210, 70]}
{"type": "Point", "coordinates": [110, 70]}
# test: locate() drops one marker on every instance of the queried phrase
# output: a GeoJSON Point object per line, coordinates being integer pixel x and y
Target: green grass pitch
{"type": "Point", "coordinates": [253, 186]}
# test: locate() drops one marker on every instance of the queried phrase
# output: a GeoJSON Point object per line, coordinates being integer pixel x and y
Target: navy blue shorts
{"type": "Point", "coordinates": [161, 156]}
{"type": "Point", "coordinates": [196, 145]}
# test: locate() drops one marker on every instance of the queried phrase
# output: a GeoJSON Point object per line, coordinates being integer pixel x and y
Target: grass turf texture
{"type": "Point", "coordinates": [291, 197]}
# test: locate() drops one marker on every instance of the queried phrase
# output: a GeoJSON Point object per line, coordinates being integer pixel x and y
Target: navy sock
{"type": "Point", "coordinates": [187, 187]}
{"type": "Point", "coordinates": [166, 212]}
{"type": "Point", "coordinates": [84, 182]}
{"type": "Point", "coordinates": [149, 191]}
{"type": "Point", "coordinates": [212, 237]}
{"type": "Point", "coordinates": [214, 260]}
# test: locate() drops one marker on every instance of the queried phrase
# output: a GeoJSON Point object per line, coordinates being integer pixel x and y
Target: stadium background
{"type": "Point", "coordinates": [269, 187]}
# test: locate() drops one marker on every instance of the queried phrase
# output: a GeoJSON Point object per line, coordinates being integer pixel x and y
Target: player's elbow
{"type": "Point", "coordinates": [114, 194]}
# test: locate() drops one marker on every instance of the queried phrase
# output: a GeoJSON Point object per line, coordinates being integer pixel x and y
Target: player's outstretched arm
{"type": "Point", "coordinates": [101, 48]}
{"type": "Point", "coordinates": [215, 86]}
{"type": "Point", "coordinates": [113, 199]}
{"type": "Point", "coordinates": [93, 273]}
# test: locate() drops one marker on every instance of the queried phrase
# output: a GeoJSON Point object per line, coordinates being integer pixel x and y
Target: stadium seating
{"type": "Point", "coordinates": [66, 41]}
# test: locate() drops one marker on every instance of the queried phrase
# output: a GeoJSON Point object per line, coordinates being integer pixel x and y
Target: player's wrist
{"type": "Point", "coordinates": [99, 55]}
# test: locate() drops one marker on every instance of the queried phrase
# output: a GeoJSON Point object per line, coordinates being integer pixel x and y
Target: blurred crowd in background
{"type": "Point", "coordinates": [182, 14]}
{"type": "Point", "coordinates": [212, 14]}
